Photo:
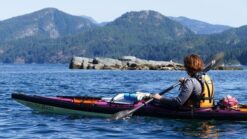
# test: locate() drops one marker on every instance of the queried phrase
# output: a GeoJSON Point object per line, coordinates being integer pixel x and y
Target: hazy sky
{"type": "Point", "coordinates": [226, 12]}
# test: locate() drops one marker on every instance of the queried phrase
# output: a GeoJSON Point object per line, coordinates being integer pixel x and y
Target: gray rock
{"type": "Point", "coordinates": [128, 58]}
{"type": "Point", "coordinates": [124, 63]}
{"type": "Point", "coordinates": [89, 66]}
{"type": "Point", "coordinates": [80, 62]}
{"type": "Point", "coordinates": [98, 66]}
{"type": "Point", "coordinates": [75, 63]}
{"type": "Point", "coordinates": [109, 61]}
{"type": "Point", "coordinates": [86, 63]}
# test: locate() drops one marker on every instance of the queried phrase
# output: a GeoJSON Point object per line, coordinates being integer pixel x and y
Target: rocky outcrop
{"type": "Point", "coordinates": [123, 63]}
{"type": "Point", "coordinates": [229, 68]}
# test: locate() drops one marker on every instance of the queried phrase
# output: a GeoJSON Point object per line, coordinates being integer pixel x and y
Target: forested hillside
{"type": "Point", "coordinates": [144, 34]}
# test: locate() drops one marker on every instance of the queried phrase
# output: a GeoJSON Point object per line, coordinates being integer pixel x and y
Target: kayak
{"type": "Point", "coordinates": [105, 107]}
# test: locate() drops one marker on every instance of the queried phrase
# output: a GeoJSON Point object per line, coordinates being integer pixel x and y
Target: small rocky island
{"type": "Point", "coordinates": [131, 63]}
{"type": "Point", "coordinates": [123, 63]}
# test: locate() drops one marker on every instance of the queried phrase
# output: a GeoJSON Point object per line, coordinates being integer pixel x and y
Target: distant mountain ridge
{"type": "Point", "coordinates": [90, 19]}
{"type": "Point", "coordinates": [144, 34]}
{"type": "Point", "coordinates": [200, 27]}
{"type": "Point", "coordinates": [150, 22]}
{"type": "Point", "coordinates": [53, 23]}
{"type": "Point", "coordinates": [46, 23]}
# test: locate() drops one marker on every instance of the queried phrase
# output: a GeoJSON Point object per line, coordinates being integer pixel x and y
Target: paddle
{"type": "Point", "coordinates": [126, 113]}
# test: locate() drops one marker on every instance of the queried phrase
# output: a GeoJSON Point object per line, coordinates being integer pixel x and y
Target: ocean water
{"type": "Point", "coordinates": [20, 122]}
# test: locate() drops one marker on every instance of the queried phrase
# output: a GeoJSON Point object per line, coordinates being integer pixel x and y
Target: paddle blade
{"type": "Point", "coordinates": [217, 60]}
{"type": "Point", "coordinates": [121, 115]}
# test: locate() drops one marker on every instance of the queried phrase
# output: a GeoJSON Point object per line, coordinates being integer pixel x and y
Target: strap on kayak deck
{"type": "Point", "coordinates": [82, 99]}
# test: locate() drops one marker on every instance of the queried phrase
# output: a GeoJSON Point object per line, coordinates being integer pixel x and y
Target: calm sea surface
{"type": "Point", "coordinates": [17, 121]}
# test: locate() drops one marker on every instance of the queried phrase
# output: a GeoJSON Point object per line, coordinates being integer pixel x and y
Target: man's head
{"type": "Point", "coordinates": [193, 64]}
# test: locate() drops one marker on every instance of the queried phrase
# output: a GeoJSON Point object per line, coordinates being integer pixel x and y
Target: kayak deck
{"type": "Point", "coordinates": [99, 107]}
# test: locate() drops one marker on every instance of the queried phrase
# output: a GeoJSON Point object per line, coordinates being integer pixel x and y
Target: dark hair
{"type": "Point", "coordinates": [193, 64]}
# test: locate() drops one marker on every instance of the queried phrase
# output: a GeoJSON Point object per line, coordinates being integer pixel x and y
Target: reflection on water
{"type": "Point", "coordinates": [212, 129]}
{"type": "Point", "coordinates": [202, 129]}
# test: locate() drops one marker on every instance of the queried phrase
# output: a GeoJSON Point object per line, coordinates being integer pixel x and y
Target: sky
{"type": "Point", "coordinates": [224, 12]}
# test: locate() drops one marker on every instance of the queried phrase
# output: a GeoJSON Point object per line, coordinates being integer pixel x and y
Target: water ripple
{"type": "Point", "coordinates": [19, 122]}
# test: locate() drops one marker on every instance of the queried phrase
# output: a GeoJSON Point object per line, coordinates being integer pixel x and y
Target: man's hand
{"type": "Point", "coordinates": [155, 96]}
{"type": "Point", "coordinates": [182, 80]}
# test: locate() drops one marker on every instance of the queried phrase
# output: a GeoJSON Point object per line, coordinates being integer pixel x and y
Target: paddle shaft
{"type": "Point", "coordinates": [169, 88]}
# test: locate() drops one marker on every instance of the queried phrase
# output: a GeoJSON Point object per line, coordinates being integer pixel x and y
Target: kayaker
{"type": "Point", "coordinates": [195, 91]}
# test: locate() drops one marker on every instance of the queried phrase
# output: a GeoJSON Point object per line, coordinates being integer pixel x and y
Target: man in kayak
{"type": "Point", "coordinates": [195, 91]}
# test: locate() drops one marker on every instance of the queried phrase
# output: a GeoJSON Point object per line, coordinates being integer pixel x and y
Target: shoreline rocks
{"type": "Point", "coordinates": [131, 63]}
{"type": "Point", "coordinates": [123, 63]}
{"type": "Point", "coordinates": [229, 68]}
